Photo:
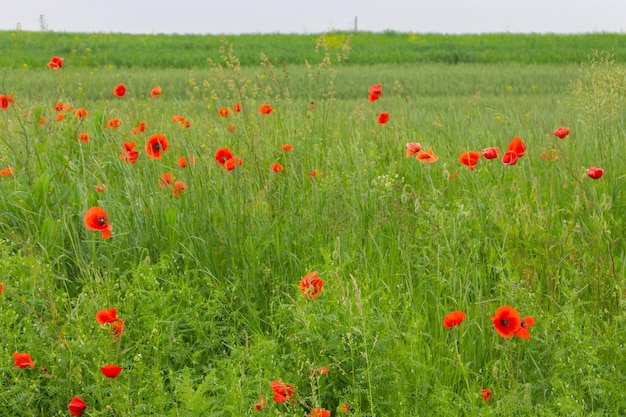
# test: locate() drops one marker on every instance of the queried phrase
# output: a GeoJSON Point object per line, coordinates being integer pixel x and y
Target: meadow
{"type": "Point", "coordinates": [272, 245]}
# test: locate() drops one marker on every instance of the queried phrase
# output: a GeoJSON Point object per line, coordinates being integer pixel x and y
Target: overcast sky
{"type": "Point", "coordinates": [316, 16]}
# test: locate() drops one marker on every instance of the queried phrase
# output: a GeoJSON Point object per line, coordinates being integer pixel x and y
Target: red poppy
{"type": "Point", "coordinates": [100, 188]}
{"type": "Point", "coordinates": [165, 180]}
{"type": "Point", "coordinates": [231, 128]}
{"type": "Point", "coordinates": [277, 167]}
{"type": "Point", "coordinates": [118, 328]}
{"type": "Point", "coordinates": [1, 288]}
{"type": "Point", "coordinates": [312, 105]}
{"type": "Point", "coordinates": [96, 219]}
{"type": "Point", "coordinates": [550, 155]}
{"type": "Point", "coordinates": [22, 360]}
{"type": "Point", "coordinates": [413, 148]}
{"type": "Point", "coordinates": [182, 162]}
{"type": "Point", "coordinates": [60, 106]}
{"type": "Point", "coordinates": [313, 173]}
{"type": "Point", "coordinates": [383, 118]}
{"type": "Point", "coordinates": [261, 404]}
{"type": "Point", "coordinates": [114, 123]}
{"type": "Point", "coordinates": [470, 159]}
{"type": "Point", "coordinates": [111, 371]}
{"type": "Point", "coordinates": [319, 412]}
{"type": "Point", "coordinates": [518, 146]}
{"type": "Point", "coordinates": [376, 91]}
{"type": "Point", "coordinates": [595, 173]}
{"type": "Point", "coordinates": [156, 91]}
{"type": "Point", "coordinates": [224, 112]}
{"type": "Point", "coordinates": [509, 158]}
{"type": "Point", "coordinates": [83, 137]}
{"type": "Point", "coordinates": [60, 117]}
{"type": "Point", "coordinates": [453, 319]}
{"type": "Point", "coordinates": [344, 408]}
{"type": "Point", "coordinates": [237, 108]}
{"type": "Point", "coordinates": [55, 62]}
{"type": "Point", "coordinates": [107, 316]}
{"type": "Point", "coordinates": [427, 156]}
{"type": "Point", "coordinates": [561, 132]}
{"type": "Point", "coordinates": [129, 154]}
{"type": "Point", "coordinates": [486, 393]}
{"type": "Point", "coordinates": [76, 406]}
{"type": "Point", "coordinates": [525, 323]}
{"type": "Point", "coordinates": [506, 321]}
{"type": "Point", "coordinates": [287, 147]}
{"type": "Point", "coordinates": [140, 128]}
{"type": "Point", "coordinates": [179, 188]}
{"type": "Point", "coordinates": [181, 120]}
{"type": "Point", "coordinates": [42, 121]}
{"type": "Point", "coordinates": [119, 90]}
{"type": "Point", "coordinates": [311, 285]}
{"type": "Point", "coordinates": [491, 153]}
{"type": "Point", "coordinates": [265, 109]}
{"type": "Point", "coordinates": [4, 102]}
{"type": "Point", "coordinates": [157, 144]}
{"type": "Point", "coordinates": [6, 172]}
{"type": "Point", "coordinates": [226, 158]}
{"type": "Point", "coordinates": [81, 113]}
{"type": "Point", "coordinates": [282, 392]}
{"type": "Point", "coordinates": [323, 370]}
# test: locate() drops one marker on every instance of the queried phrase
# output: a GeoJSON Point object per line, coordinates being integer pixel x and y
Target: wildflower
{"type": "Point", "coordinates": [60, 117]}
{"type": "Point", "coordinates": [42, 121]}
{"type": "Point", "coordinates": [76, 406]}
{"type": "Point", "coordinates": [118, 328]}
{"type": "Point", "coordinates": [486, 393]}
{"type": "Point", "coordinates": [595, 173]}
{"type": "Point", "coordinates": [106, 316]}
{"type": "Point", "coordinates": [509, 158]}
{"type": "Point", "coordinates": [165, 180]}
{"type": "Point", "coordinates": [319, 412]}
{"type": "Point", "coordinates": [452, 175]}
{"type": "Point", "coordinates": [6, 172]}
{"type": "Point", "coordinates": [227, 159]}
{"type": "Point", "coordinates": [413, 148]}
{"type": "Point", "coordinates": [55, 62]}
{"type": "Point", "coordinates": [282, 391]}
{"type": "Point", "coordinates": [311, 285]}
{"type": "Point", "coordinates": [237, 107]}
{"type": "Point", "coordinates": [518, 146]}
{"type": "Point", "coordinates": [265, 109]}
{"type": "Point", "coordinates": [470, 159]}
{"type": "Point", "coordinates": [157, 144]}
{"type": "Point", "coordinates": [119, 90]}
{"type": "Point", "coordinates": [111, 371]}
{"type": "Point", "coordinates": [561, 132]}
{"type": "Point", "coordinates": [261, 404]}
{"type": "Point", "coordinates": [96, 219]}
{"type": "Point", "coordinates": [100, 188]}
{"type": "Point", "coordinates": [427, 156]}
{"type": "Point", "coordinates": [376, 91]}
{"type": "Point", "coordinates": [1, 288]}
{"type": "Point", "coordinates": [114, 123]}
{"type": "Point", "coordinates": [506, 321]}
{"type": "Point", "coordinates": [277, 167]}
{"type": "Point", "coordinates": [312, 105]}
{"type": "Point", "coordinates": [343, 408]}
{"type": "Point", "coordinates": [323, 370]}
{"type": "Point", "coordinates": [83, 137]}
{"type": "Point", "coordinates": [4, 102]}
{"type": "Point", "coordinates": [22, 360]}
{"type": "Point", "coordinates": [224, 112]}
{"type": "Point", "coordinates": [550, 155]}
{"type": "Point", "coordinates": [60, 106]}
{"type": "Point", "coordinates": [491, 153]}
{"type": "Point", "coordinates": [383, 118]}
{"type": "Point", "coordinates": [81, 113]}
{"type": "Point", "coordinates": [156, 91]}
{"type": "Point", "coordinates": [525, 323]}
{"type": "Point", "coordinates": [181, 120]}
{"type": "Point", "coordinates": [231, 128]}
{"type": "Point", "coordinates": [129, 154]}
{"type": "Point", "coordinates": [287, 147]}
{"type": "Point", "coordinates": [179, 188]}
{"type": "Point", "coordinates": [140, 128]}
{"type": "Point", "coordinates": [453, 319]}
{"type": "Point", "coordinates": [182, 162]}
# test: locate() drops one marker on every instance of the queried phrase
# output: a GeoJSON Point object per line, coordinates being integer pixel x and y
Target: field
{"type": "Point", "coordinates": [306, 256]}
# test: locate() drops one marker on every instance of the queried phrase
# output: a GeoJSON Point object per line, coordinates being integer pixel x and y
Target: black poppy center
{"type": "Point", "coordinates": [504, 322]}
{"type": "Point", "coordinates": [102, 221]}
{"type": "Point", "coordinates": [156, 147]}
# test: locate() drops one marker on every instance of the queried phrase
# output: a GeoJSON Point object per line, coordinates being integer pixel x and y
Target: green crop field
{"type": "Point", "coordinates": [298, 225]}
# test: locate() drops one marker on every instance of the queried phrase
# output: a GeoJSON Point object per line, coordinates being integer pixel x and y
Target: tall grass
{"type": "Point", "coordinates": [207, 282]}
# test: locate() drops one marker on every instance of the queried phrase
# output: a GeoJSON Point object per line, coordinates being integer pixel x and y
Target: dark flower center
{"type": "Point", "coordinates": [504, 322]}
{"type": "Point", "coordinates": [102, 220]}
{"type": "Point", "coordinates": [156, 147]}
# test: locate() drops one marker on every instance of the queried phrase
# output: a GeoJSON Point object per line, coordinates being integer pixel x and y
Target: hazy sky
{"type": "Point", "coordinates": [315, 16]}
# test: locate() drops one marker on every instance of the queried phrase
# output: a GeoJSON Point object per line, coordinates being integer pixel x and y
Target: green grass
{"type": "Point", "coordinates": [207, 282]}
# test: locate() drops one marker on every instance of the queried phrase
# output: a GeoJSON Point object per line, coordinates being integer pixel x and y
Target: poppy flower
{"type": "Point", "coordinates": [595, 173]}
{"type": "Point", "coordinates": [106, 316]}
{"type": "Point", "coordinates": [81, 113]}
{"type": "Point", "coordinates": [383, 118]}
{"type": "Point", "coordinates": [224, 112]}
{"type": "Point", "coordinates": [427, 156]}
{"type": "Point", "coordinates": [60, 117]}
{"type": "Point", "coordinates": [165, 180]}
{"type": "Point", "coordinates": [114, 123]}
{"type": "Point", "coordinates": [111, 371]}
{"type": "Point", "coordinates": [282, 391]}
{"type": "Point", "coordinates": [22, 360]}
{"type": "Point", "coordinates": [277, 167]}
{"type": "Point", "coordinates": [287, 147]}
{"type": "Point", "coordinates": [237, 108]}
{"type": "Point", "coordinates": [118, 328]}
{"type": "Point", "coordinates": [119, 90]}
{"type": "Point", "coordinates": [100, 188]}
{"type": "Point", "coordinates": [323, 370]}
{"type": "Point", "coordinates": [561, 132]}
{"type": "Point", "coordinates": [491, 153]}
{"type": "Point", "coordinates": [343, 408]}
{"type": "Point", "coordinates": [509, 158]}
{"type": "Point", "coordinates": [140, 128]}
{"type": "Point", "coordinates": [313, 173]}
{"type": "Point", "coordinates": [265, 109]}
{"type": "Point", "coordinates": [525, 323]}
{"type": "Point", "coordinates": [129, 154]}
{"type": "Point", "coordinates": [179, 188]}
{"type": "Point", "coordinates": [1, 288]}
{"type": "Point", "coordinates": [413, 148]}
{"type": "Point", "coordinates": [55, 62]}
{"type": "Point", "coordinates": [6, 172]}
{"type": "Point", "coordinates": [312, 105]}
{"type": "Point", "coordinates": [453, 319]}
{"type": "Point", "coordinates": [376, 91]}
{"type": "Point", "coordinates": [156, 91]}
{"type": "Point", "coordinates": [96, 219]}
{"type": "Point", "coordinates": [76, 406]}
{"type": "Point", "coordinates": [83, 137]}
{"type": "Point", "coordinates": [60, 106]}
{"type": "Point", "coordinates": [157, 144]}
{"type": "Point", "coordinates": [550, 155]}
{"type": "Point", "coordinates": [261, 404]}
{"type": "Point", "coordinates": [311, 285]}
{"type": "Point", "coordinates": [4, 102]}
{"type": "Point", "coordinates": [518, 146]}
{"type": "Point", "coordinates": [181, 120]}
{"type": "Point", "coordinates": [226, 158]}
{"type": "Point", "coordinates": [319, 412]}
{"type": "Point", "coordinates": [486, 393]}
{"type": "Point", "coordinates": [231, 128]}
{"type": "Point", "coordinates": [182, 162]}
{"type": "Point", "coordinates": [42, 121]}
{"type": "Point", "coordinates": [506, 321]}
{"type": "Point", "coordinates": [470, 159]}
